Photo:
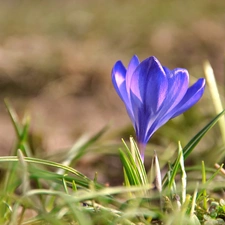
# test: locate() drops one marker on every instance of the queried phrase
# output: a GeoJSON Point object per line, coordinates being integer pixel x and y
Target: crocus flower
{"type": "Point", "coordinates": [153, 94]}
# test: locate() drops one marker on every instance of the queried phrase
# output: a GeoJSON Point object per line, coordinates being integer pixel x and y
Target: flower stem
{"type": "Point", "coordinates": [141, 148]}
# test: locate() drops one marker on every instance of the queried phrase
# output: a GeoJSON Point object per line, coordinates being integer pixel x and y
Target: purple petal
{"type": "Point", "coordinates": [149, 83]}
{"type": "Point", "coordinates": [118, 80]}
{"type": "Point", "coordinates": [178, 80]}
{"type": "Point", "coordinates": [119, 83]}
{"type": "Point", "coordinates": [192, 96]}
{"type": "Point", "coordinates": [148, 91]}
{"type": "Point", "coordinates": [140, 119]}
{"type": "Point", "coordinates": [177, 87]}
{"type": "Point", "coordinates": [134, 62]}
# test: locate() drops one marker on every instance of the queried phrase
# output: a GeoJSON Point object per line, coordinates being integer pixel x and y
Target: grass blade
{"type": "Point", "coordinates": [195, 140]}
{"type": "Point", "coordinates": [211, 81]}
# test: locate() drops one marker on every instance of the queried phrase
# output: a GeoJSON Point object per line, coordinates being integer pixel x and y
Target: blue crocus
{"type": "Point", "coordinates": [153, 94]}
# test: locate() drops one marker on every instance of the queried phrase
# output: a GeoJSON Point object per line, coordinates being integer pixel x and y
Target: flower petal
{"type": "Point", "coordinates": [192, 96]}
{"type": "Point", "coordinates": [140, 119]}
{"type": "Point", "coordinates": [178, 80]}
{"type": "Point", "coordinates": [149, 83]}
{"type": "Point", "coordinates": [177, 87]}
{"type": "Point", "coordinates": [148, 91]}
{"type": "Point", "coordinates": [134, 62]}
{"type": "Point", "coordinates": [118, 80]}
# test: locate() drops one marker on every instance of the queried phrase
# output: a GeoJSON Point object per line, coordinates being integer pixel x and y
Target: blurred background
{"type": "Point", "coordinates": [56, 58]}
